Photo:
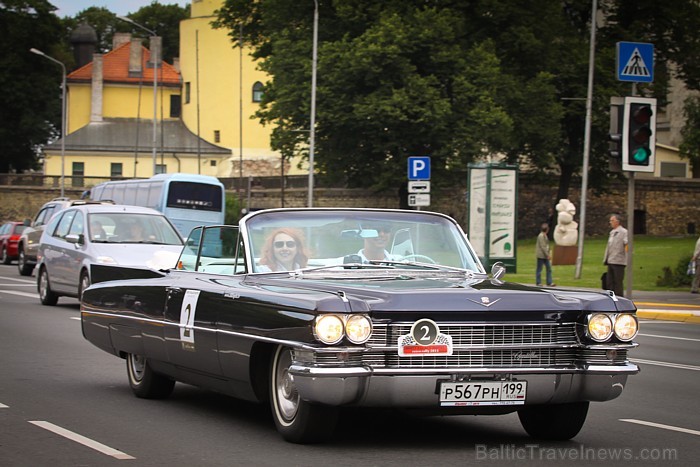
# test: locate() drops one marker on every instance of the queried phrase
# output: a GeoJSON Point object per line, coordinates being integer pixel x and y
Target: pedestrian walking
{"type": "Point", "coordinates": [543, 256]}
{"type": "Point", "coordinates": [616, 255]}
{"type": "Point", "coordinates": [695, 287]}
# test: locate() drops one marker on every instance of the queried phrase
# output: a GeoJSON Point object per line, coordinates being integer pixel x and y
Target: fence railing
{"type": "Point", "coordinates": [230, 183]}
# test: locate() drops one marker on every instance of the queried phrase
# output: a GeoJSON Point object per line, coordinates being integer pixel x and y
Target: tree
{"type": "Point", "coordinates": [458, 81]}
{"type": "Point", "coordinates": [31, 113]}
{"type": "Point", "coordinates": [164, 20]}
{"type": "Point", "coordinates": [690, 147]}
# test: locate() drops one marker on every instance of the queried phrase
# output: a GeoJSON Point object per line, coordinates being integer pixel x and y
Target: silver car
{"type": "Point", "coordinates": [104, 234]}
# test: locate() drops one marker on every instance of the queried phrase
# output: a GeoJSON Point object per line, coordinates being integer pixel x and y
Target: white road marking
{"type": "Point", "coordinates": [670, 337]}
{"type": "Point", "coordinates": [660, 425]}
{"type": "Point", "coordinates": [30, 284]}
{"type": "Point", "coordinates": [82, 440]}
{"type": "Point", "coordinates": [666, 364]}
{"type": "Point", "coordinates": [22, 294]}
{"type": "Point", "coordinates": [3, 406]}
{"type": "Point", "coordinates": [28, 281]}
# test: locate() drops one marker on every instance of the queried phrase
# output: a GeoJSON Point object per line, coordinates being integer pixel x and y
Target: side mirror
{"type": "Point", "coordinates": [75, 239]}
{"type": "Point", "coordinates": [498, 270]}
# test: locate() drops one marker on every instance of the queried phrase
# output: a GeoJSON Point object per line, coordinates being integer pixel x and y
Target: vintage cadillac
{"type": "Point", "coordinates": [318, 310]}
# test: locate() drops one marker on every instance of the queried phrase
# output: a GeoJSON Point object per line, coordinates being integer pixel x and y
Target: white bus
{"type": "Point", "coordinates": [187, 200]}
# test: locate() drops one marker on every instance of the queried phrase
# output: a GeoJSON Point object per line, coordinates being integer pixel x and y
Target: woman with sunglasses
{"type": "Point", "coordinates": [283, 251]}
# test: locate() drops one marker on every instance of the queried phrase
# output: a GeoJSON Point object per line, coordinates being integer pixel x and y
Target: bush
{"type": "Point", "coordinates": [677, 277]}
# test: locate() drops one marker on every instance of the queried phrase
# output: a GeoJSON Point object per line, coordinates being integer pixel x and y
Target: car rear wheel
{"type": "Point", "coordinates": [24, 268]}
{"type": "Point", "coordinates": [5, 258]}
{"type": "Point", "coordinates": [554, 422]}
{"type": "Point", "coordinates": [46, 295]}
{"type": "Point", "coordinates": [296, 420]}
{"type": "Point", "coordinates": [84, 284]}
{"type": "Point", "coordinates": [144, 382]}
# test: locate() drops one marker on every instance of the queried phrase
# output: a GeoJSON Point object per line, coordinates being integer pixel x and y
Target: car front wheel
{"type": "Point", "coordinates": [84, 284]}
{"type": "Point", "coordinates": [296, 420]}
{"type": "Point", "coordinates": [5, 258]}
{"type": "Point", "coordinates": [144, 382]}
{"type": "Point", "coordinates": [554, 422]}
{"type": "Point", "coordinates": [24, 268]}
{"type": "Point", "coordinates": [46, 295]}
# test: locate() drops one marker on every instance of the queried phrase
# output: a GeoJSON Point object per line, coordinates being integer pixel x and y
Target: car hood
{"type": "Point", "coordinates": [137, 254]}
{"type": "Point", "coordinates": [411, 294]}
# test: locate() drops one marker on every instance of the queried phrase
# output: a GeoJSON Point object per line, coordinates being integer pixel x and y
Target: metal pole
{"type": "Point", "coordinates": [155, 86]}
{"type": "Point", "coordinates": [312, 137]}
{"type": "Point", "coordinates": [586, 141]}
{"type": "Point", "coordinates": [63, 117]}
{"type": "Point", "coordinates": [240, 112]}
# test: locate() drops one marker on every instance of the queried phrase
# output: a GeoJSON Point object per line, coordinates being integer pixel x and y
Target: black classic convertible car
{"type": "Point", "coordinates": [318, 310]}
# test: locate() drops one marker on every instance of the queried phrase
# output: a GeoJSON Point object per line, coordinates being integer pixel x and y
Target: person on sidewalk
{"type": "Point", "coordinates": [543, 256]}
{"type": "Point", "coordinates": [695, 288]}
{"type": "Point", "coordinates": [616, 254]}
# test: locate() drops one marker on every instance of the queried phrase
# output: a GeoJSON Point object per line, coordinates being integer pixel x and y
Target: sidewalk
{"type": "Point", "coordinates": [671, 306]}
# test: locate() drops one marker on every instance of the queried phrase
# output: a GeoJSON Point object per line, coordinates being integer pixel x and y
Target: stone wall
{"type": "Point", "coordinates": [664, 207]}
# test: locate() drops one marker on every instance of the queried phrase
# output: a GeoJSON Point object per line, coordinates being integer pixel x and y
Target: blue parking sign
{"type": "Point", "coordinates": [419, 168]}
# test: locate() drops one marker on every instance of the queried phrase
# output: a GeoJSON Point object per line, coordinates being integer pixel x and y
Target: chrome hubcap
{"type": "Point", "coordinates": [287, 394]}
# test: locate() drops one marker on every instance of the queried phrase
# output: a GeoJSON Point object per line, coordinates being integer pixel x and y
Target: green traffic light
{"type": "Point", "coordinates": [641, 155]}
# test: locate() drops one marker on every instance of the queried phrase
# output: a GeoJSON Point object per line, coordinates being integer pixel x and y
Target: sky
{"type": "Point", "coordinates": [118, 7]}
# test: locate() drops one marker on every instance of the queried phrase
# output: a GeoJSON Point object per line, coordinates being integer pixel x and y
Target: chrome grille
{"type": "Point", "coordinates": [483, 335]}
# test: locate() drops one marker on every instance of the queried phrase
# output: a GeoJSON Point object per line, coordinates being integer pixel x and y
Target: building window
{"type": "Point", "coordinates": [161, 168]}
{"type": "Point", "coordinates": [217, 136]}
{"type": "Point", "coordinates": [673, 169]}
{"type": "Point", "coordinates": [115, 170]}
{"type": "Point", "coordinates": [78, 173]}
{"type": "Point", "coordinates": [257, 92]}
{"type": "Point", "coordinates": [175, 106]}
{"type": "Point", "coordinates": [187, 92]}
{"type": "Point", "coordinates": [212, 163]}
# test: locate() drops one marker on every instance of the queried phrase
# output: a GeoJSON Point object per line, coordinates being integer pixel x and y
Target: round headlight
{"type": "Point", "coordinates": [600, 327]}
{"type": "Point", "coordinates": [358, 329]}
{"type": "Point", "coordinates": [329, 329]}
{"type": "Point", "coordinates": [626, 327]}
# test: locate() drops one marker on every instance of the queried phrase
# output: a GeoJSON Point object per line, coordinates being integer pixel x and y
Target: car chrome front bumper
{"type": "Point", "coordinates": [367, 387]}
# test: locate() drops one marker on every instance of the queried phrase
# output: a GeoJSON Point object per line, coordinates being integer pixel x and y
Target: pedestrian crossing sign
{"type": "Point", "coordinates": [635, 62]}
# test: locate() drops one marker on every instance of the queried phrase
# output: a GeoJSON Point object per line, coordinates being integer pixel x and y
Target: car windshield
{"type": "Point", "coordinates": [123, 227]}
{"type": "Point", "coordinates": [285, 240]}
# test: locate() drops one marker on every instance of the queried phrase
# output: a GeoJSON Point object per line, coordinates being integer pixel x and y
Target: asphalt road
{"type": "Point", "coordinates": [64, 402]}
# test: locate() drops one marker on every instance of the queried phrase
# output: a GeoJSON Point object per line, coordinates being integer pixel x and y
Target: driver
{"type": "Point", "coordinates": [375, 247]}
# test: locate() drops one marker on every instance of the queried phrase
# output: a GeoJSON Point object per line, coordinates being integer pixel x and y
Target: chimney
{"type": "Point", "coordinates": [135, 56]}
{"type": "Point", "coordinates": [84, 40]}
{"type": "Point", "coordinates": [156, 51]}
{"type": "Point", "coordinates": [96, 97]}
{"type": "Point", "coordinates": [176, 64]}
{"type": "Point", "coordinates": [119, 39]}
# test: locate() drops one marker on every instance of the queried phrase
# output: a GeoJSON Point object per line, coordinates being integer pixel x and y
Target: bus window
{"type": "Point", "coordinates": [154, 195]}
{"type": "Point", "coordinates": [191, 195]}
{"type": "Point", "coordinates": [129, 194]}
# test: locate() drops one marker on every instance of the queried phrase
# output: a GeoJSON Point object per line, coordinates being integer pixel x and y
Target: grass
{"type": "Point", "coordinates": [651, 255]}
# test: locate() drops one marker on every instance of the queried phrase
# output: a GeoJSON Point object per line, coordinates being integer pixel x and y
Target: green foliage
{"type": "Point", "coordinates": [31, 84]}
{"type": "Point", "coordinates": [233, 209]}
{"type": "Point", "coordinates": [690, 147]}
{"type": "Point", "coordinates": [456, 81]}
{"type": "Point", "coordinates": [676, 277]}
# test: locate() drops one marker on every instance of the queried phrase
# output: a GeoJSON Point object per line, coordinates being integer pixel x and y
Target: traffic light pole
{"type": "Point", "coordinates": [630, 224]}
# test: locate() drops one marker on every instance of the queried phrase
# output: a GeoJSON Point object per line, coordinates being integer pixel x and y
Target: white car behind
{"type": "Point", "coordinates": [103, 234]}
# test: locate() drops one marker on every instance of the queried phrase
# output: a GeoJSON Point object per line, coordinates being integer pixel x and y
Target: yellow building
{"type": "Point", "coordinates": [221, 91]}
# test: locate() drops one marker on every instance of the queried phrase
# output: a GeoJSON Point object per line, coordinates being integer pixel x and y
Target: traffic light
{"type": "Point", "coordinates": [639, 134]}
{"type": "Point", "coordinates": [617, 109]}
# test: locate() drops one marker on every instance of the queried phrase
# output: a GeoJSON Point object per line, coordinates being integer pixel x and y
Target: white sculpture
{"type": "Point", "coordinates": [566, 231]}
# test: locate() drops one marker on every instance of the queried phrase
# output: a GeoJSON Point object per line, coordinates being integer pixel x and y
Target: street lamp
{"type": "Point", "coordinates": [63, 116]}
{"type": "Point", "coordinates": [312, 137]}
{"type": "Point", "coordinates": [155, 86]}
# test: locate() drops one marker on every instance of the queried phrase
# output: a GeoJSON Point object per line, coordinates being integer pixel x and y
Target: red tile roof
{"type": "Point", "coordinates": [115, 69]}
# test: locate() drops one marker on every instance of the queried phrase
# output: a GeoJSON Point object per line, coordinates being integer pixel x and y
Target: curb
{"type": "Point", "coordinates": [669, 316]}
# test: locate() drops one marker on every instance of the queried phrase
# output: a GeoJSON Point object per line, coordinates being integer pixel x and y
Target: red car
{"type": "Point", "coordinates": [9, 237]}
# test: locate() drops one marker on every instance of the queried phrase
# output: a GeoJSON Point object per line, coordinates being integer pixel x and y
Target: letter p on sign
{"type": "Point", "coordinates": [419, 168]}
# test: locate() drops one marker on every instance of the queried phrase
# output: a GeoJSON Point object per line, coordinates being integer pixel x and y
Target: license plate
{"type": "Point", "coordinates": [482, 393]}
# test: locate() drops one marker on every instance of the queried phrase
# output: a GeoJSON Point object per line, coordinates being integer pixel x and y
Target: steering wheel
{"type": "Point", "coordinates": [420, 258]}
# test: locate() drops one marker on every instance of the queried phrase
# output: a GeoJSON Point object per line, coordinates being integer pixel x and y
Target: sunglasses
{"type": "Point", "coordinates": [289, 243]}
